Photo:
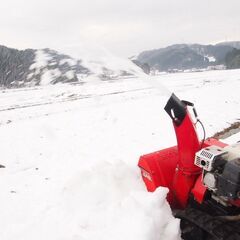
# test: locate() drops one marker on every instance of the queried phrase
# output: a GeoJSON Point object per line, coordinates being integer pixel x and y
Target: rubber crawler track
{"type": "Point", "coordinates": [216, 228]}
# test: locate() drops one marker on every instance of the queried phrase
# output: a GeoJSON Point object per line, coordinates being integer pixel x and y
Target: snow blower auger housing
{"type": "Point", "coordinates": [203, 178]}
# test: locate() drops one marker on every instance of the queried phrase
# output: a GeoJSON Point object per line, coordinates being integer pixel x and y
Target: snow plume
{"type": "Point", "coordinates": [78, 64]}
{"type": "Point", "coordinates": [100, 61]}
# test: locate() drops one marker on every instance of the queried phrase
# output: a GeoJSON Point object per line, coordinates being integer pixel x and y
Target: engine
{"type": "Point", "coordinates": [221, 171]}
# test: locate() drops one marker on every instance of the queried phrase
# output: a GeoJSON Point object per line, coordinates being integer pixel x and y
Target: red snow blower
{"type": "Point", "coordinates": [203, 178]}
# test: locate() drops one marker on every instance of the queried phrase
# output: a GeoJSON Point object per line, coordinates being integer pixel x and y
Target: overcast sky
{"type": "Point", "coordinates": [125, 27]}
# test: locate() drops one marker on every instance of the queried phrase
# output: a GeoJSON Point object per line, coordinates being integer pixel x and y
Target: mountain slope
{"type": "Point", "coordinates": [33, 67]}
{"type": "Point", "coordinates": [185, 56]}
{"type": "Point", "coordinates": [234, 44]}
{"type": "Point", "coordinates": [14, 65]}
{"type": "Point", "coordinates": [233, 59]}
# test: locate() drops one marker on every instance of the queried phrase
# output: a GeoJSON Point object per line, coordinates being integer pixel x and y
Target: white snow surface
{"type": "Point", "coordinates": [49, 76]}
{"type": "Point", "coordinates": [71, 154]}
{"type": "Point", "coordinates": [232, 139]}
{"type": "Point", "coordinates": [41, 61]}
{"type": "Point", "coordinates": [211, 58]}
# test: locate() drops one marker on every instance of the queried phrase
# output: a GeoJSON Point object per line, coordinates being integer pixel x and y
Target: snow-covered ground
{"type": "Point", "coordinates": [71, 154]}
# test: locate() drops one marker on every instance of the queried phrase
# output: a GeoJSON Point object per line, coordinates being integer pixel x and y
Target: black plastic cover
{"type": "Point", "coordinates": [229, 181]}
{"type": "Point", "coordinates": [176, 109]}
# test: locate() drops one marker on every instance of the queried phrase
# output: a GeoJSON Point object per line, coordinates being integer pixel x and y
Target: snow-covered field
{"type": "Point", "coordinates": [71, 154]}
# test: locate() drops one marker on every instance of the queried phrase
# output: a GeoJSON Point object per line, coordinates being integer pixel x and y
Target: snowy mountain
{"type": "Point", "coordinates": [185, 56]}
{"type": "Point", "coordinates": [30, 67]}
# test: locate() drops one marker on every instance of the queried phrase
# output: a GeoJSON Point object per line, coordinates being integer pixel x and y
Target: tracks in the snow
{"type": "Point", "coordinates": [69, 98]}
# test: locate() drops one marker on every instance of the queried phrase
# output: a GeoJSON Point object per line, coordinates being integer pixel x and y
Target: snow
{"type": "Point", "coordinates": [210, 58]}
{"type": "Point", "coordinates": [70, 61]}
{"type": "Point", "coordinates": [97, 64]}
{"type": "Point", "coordinates": [233, 139]}
{"type": "Point", "coordinates": [71, 154]}
{"type": "Point", "coordinates": [49, 75]}
{"type": "Point", "coordinates": [69, 74]}
{"type": "Point", "coordinates": [97, 58]}
{"type": "Point", "coordinates": [40, 61]}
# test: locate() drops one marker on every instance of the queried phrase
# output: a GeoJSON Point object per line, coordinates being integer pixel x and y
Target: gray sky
{"type": "Point", "coordinates": [125, 27]}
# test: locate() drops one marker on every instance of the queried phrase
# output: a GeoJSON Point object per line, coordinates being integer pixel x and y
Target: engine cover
{"type": "Point", "coordinates": [228, 184]}
{"type": "Point", "coordinates": [221, 171]}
